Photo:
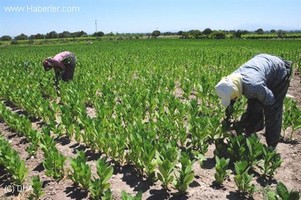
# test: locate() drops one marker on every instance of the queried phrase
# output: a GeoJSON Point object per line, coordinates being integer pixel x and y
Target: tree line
{"type": "Point", "coordinates": [191, 34]}
{"type": "Point", "coordinates": [51, 35]}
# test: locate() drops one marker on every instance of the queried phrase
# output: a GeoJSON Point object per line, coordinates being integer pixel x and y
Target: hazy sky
{"type": "Point", "coordinates": [41, 16]}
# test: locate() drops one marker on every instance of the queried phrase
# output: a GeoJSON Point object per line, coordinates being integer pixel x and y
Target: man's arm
{"type": "Point", "coordinates": [57, 64]}
{"type": "Point", "coordinates": [264, 95]}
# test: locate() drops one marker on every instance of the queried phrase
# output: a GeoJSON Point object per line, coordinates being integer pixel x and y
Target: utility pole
{"type": "Point", "coordinates": [95, 26]}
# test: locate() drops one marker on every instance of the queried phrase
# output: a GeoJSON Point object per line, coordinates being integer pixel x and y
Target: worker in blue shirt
{"type": "Point", "coordinates": [264, 81]}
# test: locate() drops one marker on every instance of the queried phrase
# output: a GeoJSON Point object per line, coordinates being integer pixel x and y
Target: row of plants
{"type": "Point", "coordinates": [12, 163]}
{"type": "Point", "coordinates": [30, 96]}
{"type": "Point", "coordinates": [22, 126]}
{"type": "Point", "coordinates": [98, 187]}
{"type": "Point", "coordinates": [54, 162]}
{"type": "Point", "coordinates": [81, 175]}
{"type": "Point", "coordinates": [249, 157]}
{"type": "Point", "coordinates": [16, 167]}
{"type": "Point", "coordinates": [291, 117]}
{"type": "Point", "coordinates": [161, 166]}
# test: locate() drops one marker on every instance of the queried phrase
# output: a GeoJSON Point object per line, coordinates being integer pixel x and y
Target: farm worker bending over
{"type": "Point", "coordinates": [63, 65]}
{"type": "Point", "coordinates": [264, 80]}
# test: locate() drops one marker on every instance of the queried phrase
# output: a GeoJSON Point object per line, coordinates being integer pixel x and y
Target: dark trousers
{"type": "Point", "coordinates": [68, 72]}
{"type": "Point", "coordinates": [69, 68]}
{"type": "Point", "coordinates": [257, 114]}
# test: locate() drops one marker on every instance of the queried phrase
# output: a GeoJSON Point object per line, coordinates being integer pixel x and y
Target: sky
{"type": "Point", "coordinates": [144, 16]}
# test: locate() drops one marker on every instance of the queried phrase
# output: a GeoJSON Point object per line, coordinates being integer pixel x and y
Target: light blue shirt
{"type": "Point", "coordinates": [261, 75]}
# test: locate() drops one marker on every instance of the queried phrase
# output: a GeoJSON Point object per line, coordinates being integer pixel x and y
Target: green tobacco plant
{"type": "Point", "coordinates": [81, 171]}
{"type": "Point", "coordinates": [11, 161]}
{"type": "Point", "coordinates": [282, 193]}
{"type": "Point", "coordinates": [143, 151]}
{"type": "Point", "coordinates": [237, 148]}
{"type": "Point", "coordinates": [254, 150]}
{"type": "Point", "coordinates": [186, 174]}
{"type": "Point", "coordinates": [22, 125]}
{"type": "Point", "coordinates": [114, 143]}
{"type": "Point", "coordinates": [15, 166]}
{"type": "Point", "coordinates": [121, 145]}
{"type": "Point", "coordinates": [100, 187]}
{"type": "Point", "coordinates": [199, 135]}
{"type": "Point", "coordinates": [242, 179]}
{"type": "Point", "coordinates": [249, 149]}
{"type": "Point", "coordinates": [35, 137]}
{"type": "Point", "coordinates": [167, 161]}
{"type": "Point", "coordinates": [127, 196]}
{"type": "Point", "coordinates": [148, 160]}
{"type": "Point", "coordinates": [54, 161]}
{"type": "Point", "coordinates": [221, 167]}
{"type": "Point", "coordinates": [47, 142]}
{"type": "Point", "coordinates": [36, 186]}
{"type": "Point", "coordinates": [135, 146]}
{"type": "Point", "coordinates": [271, 160]}
{"type": "Point", "coordinates": [18, 169]}
{"type": "Point", "coordinates": [291, 116]}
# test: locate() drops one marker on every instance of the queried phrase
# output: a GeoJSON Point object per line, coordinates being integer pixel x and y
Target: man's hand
{"type": "Point", "coordinates": [227, 123]}
{"type": "Point", "coordinates": [230, 110]}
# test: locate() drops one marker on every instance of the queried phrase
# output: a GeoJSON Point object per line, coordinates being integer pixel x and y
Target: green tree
{"type": "Point", "coordinates": [195, 33]}
{"type": "Point", "coordinates": [239, 33]}
{"type": "Point", "coordinates": [22, 36]}
{"type": "Point", "coordinates": [6, 38]}
{"type": "Point", "coordinates": [280, 34]}
{"type": "Point", "coordinates": [38, 36]}
{"type": "Point", "coordinates": [218, 35]}
{"type": "Point", "coordinates": [207, 31]}
{"type": "Point", "coordinates": [259, 31]}
{"type": "Point", "coordinates": [185, 35]}
{"type": "Point", "coordinates": [180, 32]}
{"type": "Point", "coordinates": [65, 34]}
{"type": "Point", "coordinates": [51, 34]}
{"type": "Point", "coordinates": [79, 34]}
{"type": "Point", "coordinates": [156, 33]}
{"type": "Point", "coordinates": [98, 34]}
{"type": "Point", "coordinates": [272, 31]}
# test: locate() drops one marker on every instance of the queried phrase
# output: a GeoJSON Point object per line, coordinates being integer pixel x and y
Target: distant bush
{"type": "Point", "coordinates": [14, 42]}
{"type": "Point", "coordinates": [6, 38]}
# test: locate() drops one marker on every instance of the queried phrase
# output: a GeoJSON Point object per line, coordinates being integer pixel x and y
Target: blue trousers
{"type": "Point", "coordinates": [258, 115]}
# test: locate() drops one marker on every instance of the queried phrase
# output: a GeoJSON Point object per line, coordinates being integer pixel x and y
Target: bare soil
{"type": "Point", "coordinates": [126, 179]}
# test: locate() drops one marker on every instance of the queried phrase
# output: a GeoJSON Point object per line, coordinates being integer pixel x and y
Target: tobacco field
{"type": "Point", "coordinates": [140, 120]}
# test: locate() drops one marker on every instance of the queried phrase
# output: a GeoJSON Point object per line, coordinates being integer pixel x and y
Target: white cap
{"type": "Point", "coordinates": [225, 89]}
